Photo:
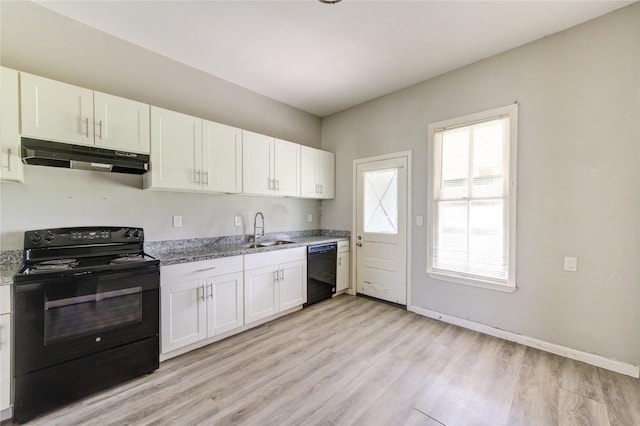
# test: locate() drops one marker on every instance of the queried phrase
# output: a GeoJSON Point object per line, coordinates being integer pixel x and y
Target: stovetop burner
{"type": "Point", "coordinates": [128, 258]}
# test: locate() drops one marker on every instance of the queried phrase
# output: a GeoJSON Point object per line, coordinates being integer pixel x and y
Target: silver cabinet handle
{"type": "Point", "coordinates": [277, 184]}
{"type": "Point", "coordinates": [9, 159]}
{"type": "Point", "coordinates": [211, 291]}
{"type": "Point", "coordinates": [321, 188]}
{"type": "Point", "coordinates": [100, 124]}
{"type": "Point", "coordinates": [205, 269]}
{"type": "Point", "coordinates": [202, 296]}
{"type": "Point", "coordinates": [317, 188]}
{"type": "Point", "coordinates": [281, 274]}
{"type": "Point", "coordinates": [205, 178]}
{"type": "Point", "coordinates": [275, 276]}
{"type": "Point", "coordinates": [86, 121]}
{"type": "Point", "coordinates": [197, 176]}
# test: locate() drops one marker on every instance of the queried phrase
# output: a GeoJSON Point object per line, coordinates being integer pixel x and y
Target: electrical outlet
{"type": "Point", "coordinates": [571, 264]}
{"type": "Point", "coordinates": [419, 221]}
{"type": "Point", "coordinates": [309, 218]}
{"type": "Point", "coordinates": [237, 221]}
{"type": "Point", "coordinates": [177, 221]}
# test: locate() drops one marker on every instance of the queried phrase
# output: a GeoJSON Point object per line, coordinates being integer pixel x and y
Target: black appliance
{"type": "Point", "coordinates": [54, 154]}
{"type": "Point", "coordinates": [86, 315]}
{"type": "Point", "coordinates": [321, 272]}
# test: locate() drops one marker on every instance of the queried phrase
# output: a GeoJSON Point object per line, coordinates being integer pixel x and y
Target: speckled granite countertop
{"type": "Point", "coordinates": [10, 263]}
{"type": "Point", "coordinates": [183, 251]}
{"type": "Point", "coordinates": [191, 250]}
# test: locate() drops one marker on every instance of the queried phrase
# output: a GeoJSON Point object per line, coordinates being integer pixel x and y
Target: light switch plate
{"type": "Point", "coordinates": [177, 221]}
{"type": "Point", "coordinates": [309, 218]}
{"type": "Point", "coordinates": [571, 264]}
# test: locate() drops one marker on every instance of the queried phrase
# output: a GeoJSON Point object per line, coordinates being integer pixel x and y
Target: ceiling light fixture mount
{"type": "Point", "coordinates": [330, 1]}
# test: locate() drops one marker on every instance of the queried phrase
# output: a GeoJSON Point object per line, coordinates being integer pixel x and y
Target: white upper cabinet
{"type": "Point", "coordinates": [11, 168]}
{"type": "Point", "coordinates": [286, 168]}
{"type": "Point", "coordinates": [65, 113]}
{"type": "Point", "coordinates": [257, 158]}
{"type": "Point", "coordinates": [270, 166]}
{"type": "Point", "coordinates": [191, 154]}
{"type": "Point", "coordinates": [56, 111]}
{"type": "Point", "coordinates": [120, 123]}
{"type": "Point", "coordinates": [176, 141]}
{"type": "Point", "coordinates": [317, 178]}
{"type": "Point", "coordinates": [221, 158]}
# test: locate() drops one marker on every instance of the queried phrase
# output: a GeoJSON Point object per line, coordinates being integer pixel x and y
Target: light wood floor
{"type": "Point", "coordinates": [356, 361]}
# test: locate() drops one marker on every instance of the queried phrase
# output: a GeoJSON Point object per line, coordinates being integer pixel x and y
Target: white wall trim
{"type": "Point", "coordinates": [596, 360]}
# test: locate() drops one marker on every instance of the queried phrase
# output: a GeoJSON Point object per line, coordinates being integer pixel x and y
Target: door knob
{"type": "Point", "coordinates": [359, 244]}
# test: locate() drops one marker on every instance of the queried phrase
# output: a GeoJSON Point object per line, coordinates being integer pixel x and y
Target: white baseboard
{"type": "Point", "coordinates": [6, 414]}
{"type": "Point", "coordinates": [596, 360]}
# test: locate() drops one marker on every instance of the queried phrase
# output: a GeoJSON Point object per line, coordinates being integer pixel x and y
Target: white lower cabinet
{"type": "Point", "coordinates": [200, 300]}
{"type": "Point", "coordinates": [274, 282]}
{"type": "Point", "coordinates": [5, 348]}
{"type": "Point", "coordinates": [342, 268]}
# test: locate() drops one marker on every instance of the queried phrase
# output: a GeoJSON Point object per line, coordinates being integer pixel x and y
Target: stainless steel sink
{"type": "Point", "coordinates": [273, 243]}
{"type": "Point", "coordinates": [267, 244]}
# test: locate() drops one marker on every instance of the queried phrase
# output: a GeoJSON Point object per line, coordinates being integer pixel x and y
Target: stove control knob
{"type": "Point", "coordinates": [49, 237]}
{"type": "Point", "coordinates": [136, 234]}
{"type": "Point", "coordinates": [127, 233]}
{"type": "Point", "coordinates": [36, 238]}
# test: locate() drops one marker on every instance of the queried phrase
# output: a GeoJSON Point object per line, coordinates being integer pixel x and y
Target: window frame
{"type": "Point", "coordinates": [434, 165]}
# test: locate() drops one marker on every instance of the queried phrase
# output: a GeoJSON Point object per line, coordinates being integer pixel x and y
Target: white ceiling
{"type": "Point", "coordinates": [324, 58]}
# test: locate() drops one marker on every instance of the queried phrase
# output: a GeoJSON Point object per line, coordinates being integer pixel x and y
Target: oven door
{"type": "Point", "coordinates": [63, 319]}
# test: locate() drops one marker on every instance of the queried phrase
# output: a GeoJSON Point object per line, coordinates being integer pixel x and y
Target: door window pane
{"type": "Point", "coordinates": [381, 201]}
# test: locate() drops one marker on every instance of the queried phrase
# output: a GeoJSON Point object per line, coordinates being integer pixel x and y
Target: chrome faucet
{"type": "Point", "coordinates": [255, 227]}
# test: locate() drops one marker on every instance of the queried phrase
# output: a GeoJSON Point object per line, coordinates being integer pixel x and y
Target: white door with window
{"type": "Point", "coordinates": [381, 229]}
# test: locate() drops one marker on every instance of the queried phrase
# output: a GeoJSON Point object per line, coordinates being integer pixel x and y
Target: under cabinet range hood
{"type": "Point", "coordinates": [54, 154]}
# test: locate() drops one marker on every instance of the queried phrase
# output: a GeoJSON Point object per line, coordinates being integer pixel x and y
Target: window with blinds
{"type": "Point", "coordinates": [472, 199]}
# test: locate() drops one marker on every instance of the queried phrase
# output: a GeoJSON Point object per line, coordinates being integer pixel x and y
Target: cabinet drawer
{"type": "Point", "coordinates": [200, 269]}
{"type": "Point", "coordinates": [343, 246]}
{"type": "Point", "coordinates": [5, 299]}
{"type": "Point", "coordinates": [276, 257]}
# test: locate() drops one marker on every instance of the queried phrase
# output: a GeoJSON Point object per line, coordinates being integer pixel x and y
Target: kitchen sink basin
{"type": "Point", "coordinates": [273, 243]}
{"type": "Point", "coordinates": [267, 244]}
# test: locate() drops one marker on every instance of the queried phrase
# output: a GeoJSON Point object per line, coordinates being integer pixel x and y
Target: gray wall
{"type": "Point", "coordinates": [38, 41]}
{"type": "Point", "coordinates": [578, 181]}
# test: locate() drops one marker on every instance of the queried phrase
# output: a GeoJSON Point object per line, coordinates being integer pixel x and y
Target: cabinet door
{"type": "Point", "coordinates": [326, 172]}
{"type": "Point", "coordinates": [56, 111]}
{"type": "Point", "coordinates": [120, 123]}
{"type": "Point", "coordinates": [286, 167]}
{"type": "Point", "coordinates": [184, 314]}
{"type": "Point", "coordinates": [308, 173]}
{"type": "Point", "coordinates": [11, 168]}
{"type": "Point", "coordinates": [293, 284]}
{"type": "Point", "coordinates": [221, 158]}
{"type": "Point", "coordinates": [226, 305]}
{"type": "Point", "coordinates": [342, 271]}
{"type": "Point", "coordinates": [261, 293]}
{"type": "Point", "coordinates": [257, 155]}
{"type": "Point", "coordinates": [176, 141]}
{"type": "Point", "coordinates": [5, 361]}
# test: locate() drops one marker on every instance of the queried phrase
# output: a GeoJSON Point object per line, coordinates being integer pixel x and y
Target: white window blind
{"type": "Point", "coordinates": [471, 199]}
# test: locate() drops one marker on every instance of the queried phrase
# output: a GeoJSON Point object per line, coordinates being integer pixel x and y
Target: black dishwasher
{"type": "Point", "coordinates": [321, 272]}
